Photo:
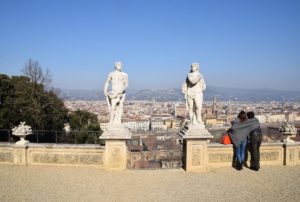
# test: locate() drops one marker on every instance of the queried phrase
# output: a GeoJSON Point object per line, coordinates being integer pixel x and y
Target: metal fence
{"type": "Point", "coordinates": [51, 136]}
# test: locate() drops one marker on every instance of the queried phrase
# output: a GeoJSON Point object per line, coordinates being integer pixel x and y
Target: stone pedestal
{"type": "Point", "coordinates": [22, 141]}
{"type": "Point", "coordinates": [115, 156]}
{"type": "Point", "coordinates": [20, 155]}
{"type": "Point", "coordinates": [292, 154]}
{"type": "Point", "coordinates": [195, 148]}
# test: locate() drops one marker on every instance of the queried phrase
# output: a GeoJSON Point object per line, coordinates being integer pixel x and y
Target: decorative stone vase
{"type": "Point", "coordinates": [287, 131]}
{"type": "Point", "coordinates": [22, 130]}
{"type": "Point", "coordinates": [67, 128]}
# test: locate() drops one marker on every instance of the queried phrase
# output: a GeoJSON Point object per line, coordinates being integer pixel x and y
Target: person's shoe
{"type": "Point", "coordinates": [238, 166]}
{"type": "Point", "coordinates": [242, 164]}
{"type": "Point", "coordinates": [254, 168]}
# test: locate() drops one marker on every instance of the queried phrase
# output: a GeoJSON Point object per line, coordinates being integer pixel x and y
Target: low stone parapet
{"type": "Point", "coordinates": [13, 154]}
{"type": "Point", "coordinates": [52, 154]}
{"type": "Point", "coordinates": [271, 154]}
{"type": "Point", "coordinates": [217, 155]}
{"type": "Point", "coordinates": [220, 155]}
{"type": "Point", "coordinates": [292, 154]}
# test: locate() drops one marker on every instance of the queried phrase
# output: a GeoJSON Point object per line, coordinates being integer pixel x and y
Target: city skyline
{"type": "Point", "coordinates": [238, 44]}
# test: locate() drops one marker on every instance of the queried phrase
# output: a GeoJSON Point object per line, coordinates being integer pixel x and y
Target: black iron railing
{"type": "Point", "coordinates": [52, 136]}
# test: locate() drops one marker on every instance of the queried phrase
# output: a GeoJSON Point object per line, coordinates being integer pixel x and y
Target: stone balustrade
{"type": "Point", "coordinates": [52, 154]}
{"type": "Point", "coordinates": [214, 155]}
{"type": "Point", "coordinates": [220, 155]}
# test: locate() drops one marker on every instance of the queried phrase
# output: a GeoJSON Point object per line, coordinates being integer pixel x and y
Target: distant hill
{"type": "Point", "coordinates": [159, 95]}
{"type": "Point", "coordinates": [79, 94]}
{"type": "Point", "coordinates": [175, 94]}
{"type": "Point", "coordinates": [251, 94]}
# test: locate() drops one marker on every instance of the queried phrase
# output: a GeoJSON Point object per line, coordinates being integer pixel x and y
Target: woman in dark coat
{"type": "Point", "coordinates": [238, 133]}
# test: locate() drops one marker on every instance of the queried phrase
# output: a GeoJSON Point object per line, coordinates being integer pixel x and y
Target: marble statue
{"type": "Point", "coordinates": [118, 83]}
{"type": "Point", "coordinates": [192, 89]}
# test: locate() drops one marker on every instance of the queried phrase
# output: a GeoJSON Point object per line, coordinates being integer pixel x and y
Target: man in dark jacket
{"type": "Point", "coordinates": [255, 138]}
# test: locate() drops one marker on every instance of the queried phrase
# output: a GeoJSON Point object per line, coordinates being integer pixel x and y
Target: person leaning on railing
{"type": "Point", "coordinates": [255, 138]}
{"type": "Point", "coordinates": [238, 134]}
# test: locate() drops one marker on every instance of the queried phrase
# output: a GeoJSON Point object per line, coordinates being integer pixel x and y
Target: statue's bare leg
{"type": "Point", "coordinates": [190, 102]}
{"type": "Point", "coordinates": [119, 110]}
{"type": "Point", "coordinates": [198, 104]}
{"type": "Point", "coordinates": [113, 109]}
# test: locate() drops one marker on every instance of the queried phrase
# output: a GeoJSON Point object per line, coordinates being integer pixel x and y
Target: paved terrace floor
{"type": "Point", "coordinates": [41, 183]}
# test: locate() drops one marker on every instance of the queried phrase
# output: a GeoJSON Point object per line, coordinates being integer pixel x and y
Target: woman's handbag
{"type": "Point", "coordinates": [226, 139]}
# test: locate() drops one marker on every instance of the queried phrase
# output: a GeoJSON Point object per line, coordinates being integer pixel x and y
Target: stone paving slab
{"type": "Point", "coordinates": [42, 183]}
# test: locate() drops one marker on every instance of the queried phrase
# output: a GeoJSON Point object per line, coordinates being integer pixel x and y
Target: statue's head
{"type": "Point", "coordinates": [194, 66]}
{"type": "Point", "coordinates": [118, 65]}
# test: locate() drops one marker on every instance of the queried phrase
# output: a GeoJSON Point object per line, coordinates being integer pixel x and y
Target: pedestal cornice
{"type": "Point", "coordinates": [116, 132]}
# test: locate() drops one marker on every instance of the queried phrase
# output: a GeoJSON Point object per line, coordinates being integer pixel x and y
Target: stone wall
{"type": "Point", "coordinates": [292, 153]}
{"type": "Point", "coordinates": [52, 154]}
{"type": "Point", "coordinates": [6, 154]}
{"type": "Point", "coordinates": [270, 154]}
{"type": "Point", "coordinates": [217, 155]}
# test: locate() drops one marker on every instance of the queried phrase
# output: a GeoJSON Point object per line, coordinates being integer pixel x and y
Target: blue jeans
{"type": "Point", "coordinates": [240, 151]}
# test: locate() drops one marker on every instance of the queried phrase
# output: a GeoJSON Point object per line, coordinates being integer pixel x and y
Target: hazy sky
{"type": "Point", "coordinates": [238, 43]}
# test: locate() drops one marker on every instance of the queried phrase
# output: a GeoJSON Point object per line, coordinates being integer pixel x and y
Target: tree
{"type": "Point", "coordinates": [26, 98]}
{"type": "Point", "coordinates": [34, 71]}
{"type": "Point", "coordinates": [86, 123]}
{"type": "Point", "coordinates": [29, 98]}
{"type": "Point", "coordinates": [39, 108]}
{"type": "Point", "coordinates": [6, 110]}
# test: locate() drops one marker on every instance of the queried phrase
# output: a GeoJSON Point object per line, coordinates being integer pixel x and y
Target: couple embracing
{"type": "Point", "coordinates": [246, 131]}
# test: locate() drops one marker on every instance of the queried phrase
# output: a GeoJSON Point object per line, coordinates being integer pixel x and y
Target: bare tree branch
{"type": "Point", "coordinates": [34, 71]}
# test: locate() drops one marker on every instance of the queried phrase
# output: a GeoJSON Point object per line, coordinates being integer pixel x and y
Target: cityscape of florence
{"type": "Point", "coordinates": [150, 101]}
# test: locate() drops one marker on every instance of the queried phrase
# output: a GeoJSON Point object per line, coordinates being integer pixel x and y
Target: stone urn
{"type": "Point", "coordinates": [22, 130]}
{"type": "Point", "coordinates": [287, 131]}
{"type": "Point", "coordinates": [67, 128]}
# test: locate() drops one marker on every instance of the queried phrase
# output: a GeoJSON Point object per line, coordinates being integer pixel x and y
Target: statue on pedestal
{"type": "Point", "coordinates": [195, 135]}
{"type": "Point", "coordinates": [116, 96]}
{"type": "Point", "coordinates": [116, 135]}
